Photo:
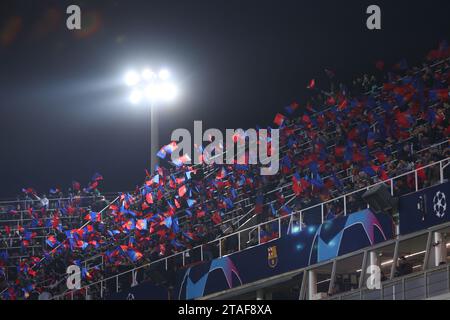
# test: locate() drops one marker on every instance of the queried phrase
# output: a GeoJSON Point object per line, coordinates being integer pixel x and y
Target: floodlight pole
{"type": "Point", "coordinates": [132, 79]}
{"type": "Point", "coordinates": [154, 142]}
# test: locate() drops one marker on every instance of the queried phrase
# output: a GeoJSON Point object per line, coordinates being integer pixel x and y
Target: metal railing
{"type": "Point", "coordinates": [380, 87]}
{"type": "Point", "coordinates": [278, 223]}
{"type": "Point", "coordinates": [416, 286]}
{"type": "Point", "coordinates": [431, 280]}
{"type": "Point", "coordinates": [322, 210]}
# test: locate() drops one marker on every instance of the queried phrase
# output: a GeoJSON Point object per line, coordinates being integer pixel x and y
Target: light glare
{"type": "Point", "coordinates": [164, 74]}
{"type": "Point", "coordinates": [132, 78]}
{"type": "Point", "coordinates": [150, 86]}
{"type": "Point", "coordinates": [152, 92]}
{"type": "Point", "coordinates": [168, 91]}
{"type": "Point", "coordinates": [148, 74]}
{"type": "Point", "coordinates": [136, 96]}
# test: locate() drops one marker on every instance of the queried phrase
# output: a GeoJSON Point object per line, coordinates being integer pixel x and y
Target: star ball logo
{"type": "Point", "coordinates": [439, 204]}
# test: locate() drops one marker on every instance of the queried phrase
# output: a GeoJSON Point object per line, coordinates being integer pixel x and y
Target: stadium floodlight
{"type": "Point", "coordinates": [136, 96]}
{"type": "Point", "coordinates": [168, 91]}
{"type": "Point", "coordinates": [152, 91]}
{"type": "Point", "coordinates": [164, 74]}
{"type": "Point", "coordinates": [151, 87]}
{"type": "Point", "coordinates": [148, 74]}
{"type": "Point", "coordinates": [132, 78]}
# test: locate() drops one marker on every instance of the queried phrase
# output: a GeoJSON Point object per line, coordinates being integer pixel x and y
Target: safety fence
{"type": "Point", "coordinates": [268, 231]}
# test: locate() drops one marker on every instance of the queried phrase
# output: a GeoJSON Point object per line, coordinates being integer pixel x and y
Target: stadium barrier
{"type": "Point", "coordinates": [429, 284]}
{"type": "Point", "coordinates": [343, 278]}
{"type": "Point", "coordinates": [180, 258]}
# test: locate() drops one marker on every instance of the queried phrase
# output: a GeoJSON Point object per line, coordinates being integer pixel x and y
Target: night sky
{"type": "Point", "coordinates": [64, 111]}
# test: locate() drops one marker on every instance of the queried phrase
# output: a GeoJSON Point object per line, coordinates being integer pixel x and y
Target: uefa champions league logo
{"type": "Point", "coordinates": [439, 204]}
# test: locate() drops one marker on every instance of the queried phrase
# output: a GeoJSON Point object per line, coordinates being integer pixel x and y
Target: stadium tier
{"type": "Point", "coordinates": [393, 132]}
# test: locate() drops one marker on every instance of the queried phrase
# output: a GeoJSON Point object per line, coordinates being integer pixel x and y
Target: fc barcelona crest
{"type": "Point", "coordinates": [272, 256]}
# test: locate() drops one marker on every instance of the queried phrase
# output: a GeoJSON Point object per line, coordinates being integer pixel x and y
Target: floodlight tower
{"type": "Point", "coordinates": [152, 88]}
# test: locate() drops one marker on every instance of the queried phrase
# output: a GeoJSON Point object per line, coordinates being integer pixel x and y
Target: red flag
{"type": "Point", "coordinates": [216, 218]}
{"type": "Point", "coordinates": [182, 191]}
{"type": "Point", "coordinates": [162, 249]}
{"type": "Point", "coordinates": [381, 157]}
{"type": "Point", "coordinates": [421, 172]}
{"type": "Point", "coordinates": [279, 119]}
{"type": "Point", "coordinates": [343, 105]}
{"type": "Point", "coordinates": [221, 174]}
{"type": "Point", "coordinates": [296, 184]}
{"type": "Point", "coordinates": [331, 101]}
{"type": "Point", "coordinates": [200, 214]}
{"type": "Point", "coordinates": [149, 198]}
{"type": "Point", "coordinates": [339, 151]}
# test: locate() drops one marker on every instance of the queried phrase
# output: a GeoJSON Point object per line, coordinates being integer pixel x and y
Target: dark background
{"type": "Point", "coordinates": [64, 112]}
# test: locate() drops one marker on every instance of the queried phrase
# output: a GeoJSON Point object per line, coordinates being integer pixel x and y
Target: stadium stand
{"type": "Point", "coordinates": [332, 150]}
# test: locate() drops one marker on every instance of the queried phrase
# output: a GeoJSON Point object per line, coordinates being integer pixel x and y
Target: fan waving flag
{"type": "Point", "coordinates": [93, 217]}
{"type": "Point", "coordinates": [404, 119]}
{"type": "Point", "coordinates": [279, 119]}
{"type": "Point", "coordinates": [182, 191]}
{"type": "Point", "coordinates": [29, 191]}
{"type": "Point", "coordinates": [129, 225]}
{"type": "Point", "coordinates": [216, 218]}
{"type": "Point", "coordinates": [171, 147]}
{"type": "Point", "coordinates": [141, 224]}
{"type": "Point", "coordinates": [76, 186]}
{"type": "Point", "coordinates": [296, 184]}
{"type": "Point", "coordinates": [51, 241]}
{"type": "Point", "coordinates": [182, 160]}
{"type": "Point", "coordinates": [259, 203]}
{"type": "Point", "coordinates": [439, 94]}
{"type": "Point", "coordinates": [221, 174]}
{"type": "Point", "coordinates": [97, 177]}
{"type": "Point", "coordinates": [55, 190]}
{"type": "Point", "coordinates": [149, 198]}
{"type": "Point", "coordinates": [285, 210]}
{"type": "Point", "coordinates": [290, 109]}
{"type": "Point", "coordinates": [133, 254]}
{"type": "Point", "coordinates": [162, 153]}
{"type": "Point", "coordinates": [167, 222]}
{"type": "Point", "coordinates": [175, 225]}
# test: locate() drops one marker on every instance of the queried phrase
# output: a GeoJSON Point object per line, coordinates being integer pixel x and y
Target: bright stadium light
{"type": "Point", "coordinates": [152, 88]}
{"type": "Point", "coordinates": [132, 78]}
{"type": "Point", "coordinates": [136, 96]}
{"type": "Point", "coordinates": [147, 74]}
{"type": "Point", "coordinates": [152, 92]}
{"type": "Point", "coordinates": [168, 91]}
{"type": "Point", "coordinates": [164, 74]}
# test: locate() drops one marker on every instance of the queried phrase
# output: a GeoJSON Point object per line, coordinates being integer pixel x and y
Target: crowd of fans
{"type": "Point", "coordinates": [341, 140]}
